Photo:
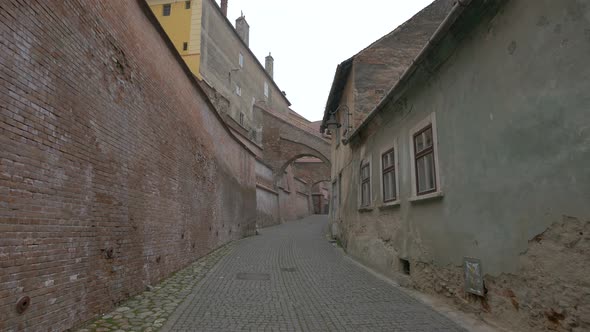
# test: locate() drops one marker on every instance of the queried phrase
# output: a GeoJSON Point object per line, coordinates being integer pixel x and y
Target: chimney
{"type": "Point", "coordinates": [243, 29]}
{"type": "Point", "coordinates": [269, 64]}
{"type": "Point", "coordinates": [224, 7]}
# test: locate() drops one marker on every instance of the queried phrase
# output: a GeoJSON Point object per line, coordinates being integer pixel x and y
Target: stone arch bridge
{"type": "Point", "coordinates": [286, 138]}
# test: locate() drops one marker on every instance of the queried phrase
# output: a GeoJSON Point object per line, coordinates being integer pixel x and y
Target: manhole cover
{"type": "Point", "coordinates": [252, 276]}
{"type": "Point", "coordinates": [289, 269]}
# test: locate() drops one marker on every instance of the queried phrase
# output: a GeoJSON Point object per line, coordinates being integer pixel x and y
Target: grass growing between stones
{"type": "Point", "coordinates": [149, 310]}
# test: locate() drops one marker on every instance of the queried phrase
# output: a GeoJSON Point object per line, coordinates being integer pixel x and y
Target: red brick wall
{"type": "Point", "coordinates": [114, 170]}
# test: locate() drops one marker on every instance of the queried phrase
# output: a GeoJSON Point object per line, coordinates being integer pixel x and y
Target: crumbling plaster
{"type": "Point", "coordinates": [513, 162]}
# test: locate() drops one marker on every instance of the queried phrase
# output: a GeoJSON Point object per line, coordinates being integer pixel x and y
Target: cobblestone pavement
{"type": "Point", "coordinates": [291, 279]}
{"type": "Point", "coordinates": [149, 310]}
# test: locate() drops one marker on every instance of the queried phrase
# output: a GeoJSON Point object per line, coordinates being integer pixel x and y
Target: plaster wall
{"type": "Point", "coordinates": [513, 148]}
{"type": "Point", "coordinates": [182, 26]}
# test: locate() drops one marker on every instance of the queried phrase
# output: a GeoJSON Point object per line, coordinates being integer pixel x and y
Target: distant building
{"type": "Point", "coordinates": [219, 54]}
{"type": "Point", "coordinates": [462, 164]}
{"type": "Point", "coordinates": [182, 22]}
{"type": "Point", "coordinates": [243, 91]}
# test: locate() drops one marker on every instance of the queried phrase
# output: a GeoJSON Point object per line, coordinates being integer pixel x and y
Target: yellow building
{"type": "Point", "coordinates": [182, 22]}
{"type": "Point", "coordinates": [218, 53]}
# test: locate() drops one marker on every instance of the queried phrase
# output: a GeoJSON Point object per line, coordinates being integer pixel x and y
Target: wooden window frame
{"type": "Point", "coordinates": [421, 154]}
{"type": "Point", "coordinates": [364, 164]}
{"type": "Point", "coordinates": [390, 169]}
{"type": "Point", "coordinates": [428, 122]}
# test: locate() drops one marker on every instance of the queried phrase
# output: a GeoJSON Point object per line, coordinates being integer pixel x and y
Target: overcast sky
{"type": "Point", "coordinates": [309, 38]}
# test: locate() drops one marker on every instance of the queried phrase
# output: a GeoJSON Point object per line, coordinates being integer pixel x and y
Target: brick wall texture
{"type": "Point", "coordinates": [114, 170]}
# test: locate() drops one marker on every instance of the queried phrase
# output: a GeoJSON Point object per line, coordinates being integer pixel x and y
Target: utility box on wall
{"type": "Point", "coordinates": [473, 276]}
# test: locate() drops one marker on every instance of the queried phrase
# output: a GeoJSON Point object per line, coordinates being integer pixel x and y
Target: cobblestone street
{"type": "Point", "coordinates": [291, 279]}
{"type": "Point", "coordinates": [149, 310]}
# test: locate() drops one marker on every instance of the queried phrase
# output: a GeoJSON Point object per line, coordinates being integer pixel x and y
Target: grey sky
{"type": "Point", "coordinates": [309, 38]}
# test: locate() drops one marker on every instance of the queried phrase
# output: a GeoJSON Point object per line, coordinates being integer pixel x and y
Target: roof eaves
{"type": "Point", "coordinates": [397, 89]}
{"type": "Point", "coordinates": [338, 84]}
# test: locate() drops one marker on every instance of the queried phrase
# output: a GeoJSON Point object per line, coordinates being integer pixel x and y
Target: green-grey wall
{"type": "Point", "coordinates": [512, 110]}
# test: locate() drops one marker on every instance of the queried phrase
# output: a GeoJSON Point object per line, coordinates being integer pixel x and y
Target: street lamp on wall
{"type": "Point", "coordinates": [332, 123]}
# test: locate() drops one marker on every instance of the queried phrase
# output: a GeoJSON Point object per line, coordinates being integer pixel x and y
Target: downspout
{"type": "Point", "coordinates": [438, 34]}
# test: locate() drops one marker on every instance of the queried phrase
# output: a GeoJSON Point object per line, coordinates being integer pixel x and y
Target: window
{"type": "Point", "coordinates": [184, 46]}
{"type": "Point", "coordinates": [425, 167]}
{"type": "Point", "coordinates": [238, 90]}
{"type": "Point", "coordinates": [187, 5]}
{"type": "Point", "coordinates": [365, 184]}
{"type": "Point", "coordinates": [266, 89]}
{"type": "Point", "coordinates": [388, 178]}
{"type": "Point", "coordinates": [241, 60]}
{"type": "Point", "coordinates": [425, 174]}
{"type": "Point", "coordinates": [241, 119]}
{"type": "Point", "coordinates": [346, 122]}
{"type": "Point", "coordinates": [166, 9]}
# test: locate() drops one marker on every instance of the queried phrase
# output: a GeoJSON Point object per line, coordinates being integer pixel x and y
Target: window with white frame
{"type": "Point", "coordinates": [365, 177]}
{"type": "Point", "coordinates": [266, 89]}
{"type": "Point", "coordinates": [425, 175]}
{"type": "Point", "coordinates": [241, 60]}
{"type": "Point", "coordinates": [389, 176]}
{"type": "Point", "coordinates": [238, 90]}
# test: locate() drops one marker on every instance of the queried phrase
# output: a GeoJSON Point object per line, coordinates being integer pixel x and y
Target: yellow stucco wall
{"type": "Point", "coordinates": [193, 62]}
{"type": "Point", "coordinates": [182, 26]}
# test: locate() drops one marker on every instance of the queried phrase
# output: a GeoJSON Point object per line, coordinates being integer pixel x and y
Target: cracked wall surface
{"type": "Point", "coordinates": [508, 94]}
{"type": "Point", "coordinates": [549, 291]}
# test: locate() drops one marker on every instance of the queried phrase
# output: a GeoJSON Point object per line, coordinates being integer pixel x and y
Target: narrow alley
{"type": "Point", "coordinates": [258, 165]}
{"type": "Point", "coordinates": [290, 278]}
